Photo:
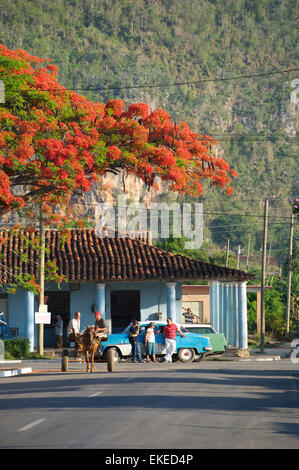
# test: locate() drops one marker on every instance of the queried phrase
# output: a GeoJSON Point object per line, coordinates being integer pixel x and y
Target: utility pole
{"type": "Point", "coordinates": [227, 253]}
{"type": "Point", "coordinates": [40, 330]}
{"type": "Point", "coordinates": [238, 258]}
{"type": "Point", "coordinates": [262, 319]}
{"type": "Point", "coordinates": [248, 251]}
{"type": "Point", "coordinates": [269, 256]}
{"type": "Point", "coordinates": [290, 273]}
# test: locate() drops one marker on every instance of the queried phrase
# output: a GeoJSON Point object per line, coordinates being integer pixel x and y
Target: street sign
{"type": "Point", "coordinates": [43, 318]}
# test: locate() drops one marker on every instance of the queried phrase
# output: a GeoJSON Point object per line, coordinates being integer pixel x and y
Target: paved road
{"type": "Point", "coordinates": [207, 405]}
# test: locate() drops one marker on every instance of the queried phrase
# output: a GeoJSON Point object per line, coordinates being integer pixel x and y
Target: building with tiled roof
{"type": "Point", "coordinates": [124, 278]}
{"type": "Point", "coordinates": [89, 258]}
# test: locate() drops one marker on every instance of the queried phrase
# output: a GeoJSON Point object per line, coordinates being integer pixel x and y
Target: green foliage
{"type": "Point", "coordinates": [17, 348]}
{"type": "Point", "coordinates": [275, 306]}
{"type": "Point", "coordinates": [251, 313]}
{"type": "Point", "coordinates": [177, 246]}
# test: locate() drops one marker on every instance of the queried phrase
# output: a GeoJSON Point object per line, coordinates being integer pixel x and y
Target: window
{"type": "Point", "coordinates": [196, 309]}
{"type": "Point", "coordinates": [125, 307]}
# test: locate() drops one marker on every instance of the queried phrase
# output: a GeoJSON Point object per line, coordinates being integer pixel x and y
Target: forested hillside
{"type": "Point", "coordinates": [104, 47]}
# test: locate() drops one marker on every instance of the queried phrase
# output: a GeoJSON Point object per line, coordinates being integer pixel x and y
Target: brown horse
{"type": "Point", "coordinates": [88, 344]}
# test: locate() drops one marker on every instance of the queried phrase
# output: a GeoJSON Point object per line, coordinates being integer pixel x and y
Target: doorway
{"type": "Point", "coordinates": [58, 304]}
{"type": "Point", "coordinates": [125, 307]}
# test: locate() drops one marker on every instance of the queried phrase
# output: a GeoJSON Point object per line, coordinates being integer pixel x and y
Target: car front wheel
{"type": "Point", "coordinates": [186, 355]}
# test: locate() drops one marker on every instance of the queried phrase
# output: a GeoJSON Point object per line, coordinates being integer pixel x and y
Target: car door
{"type": "Point", "coordinates": [141, 338]}
{"type": "Point", "coordinates": [180, 341]}
{"type": "Point", "coordinates": [160, 340]}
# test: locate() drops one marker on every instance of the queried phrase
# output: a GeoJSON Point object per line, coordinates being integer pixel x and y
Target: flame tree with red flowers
{"type": "Point", "coordinates": [54, 142]}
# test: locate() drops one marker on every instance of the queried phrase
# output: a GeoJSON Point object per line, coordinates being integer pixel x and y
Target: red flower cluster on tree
{"type": "Point", "coordinates": [54, 142]}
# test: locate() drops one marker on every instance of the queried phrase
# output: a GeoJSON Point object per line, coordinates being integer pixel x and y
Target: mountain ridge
{"type": "Point", "coordinates": [102, 44]}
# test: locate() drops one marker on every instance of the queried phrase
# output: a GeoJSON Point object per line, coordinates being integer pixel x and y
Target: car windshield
{"type": "Point", "coordinates": [201, 330]}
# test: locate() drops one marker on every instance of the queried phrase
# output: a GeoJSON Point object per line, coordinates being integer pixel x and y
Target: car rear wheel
{"type": "Point", "coordinates": [186, 355]}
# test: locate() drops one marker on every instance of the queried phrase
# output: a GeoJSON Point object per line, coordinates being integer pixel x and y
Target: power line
{"type": "Point", "coordinates": [269, 139]}
{"type": "Point", "coordinates": [105, 205]}
{"type": "Point", "coordinates": [164, 85]}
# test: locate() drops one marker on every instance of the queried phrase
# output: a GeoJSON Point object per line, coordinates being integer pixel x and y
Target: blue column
{"type": "Point", "coordinates": [101, 303]}
{"type": "Point", "coordinates": [219, 300]}
{"type": "Point", "coordinates": [223, 328]}
{"type": "Point", "coordinates": [221, 306]}
{"type": "Point", "coordinates": [230, 314]}
{"type": "Point", "coordinates": [29, 318]}
{"type": "Point", "coordinates": [100, 299]}
{"type": "Point", "coordinates": [171, 307]}
{"type": "Point", "coordinates": [212, 318]}
{"type": "Point", "coordinates": [235, 328]}
{"type": "Point", "coordinates": [242, 311]}
{"type": "Point", "coordinates": [214, 307]}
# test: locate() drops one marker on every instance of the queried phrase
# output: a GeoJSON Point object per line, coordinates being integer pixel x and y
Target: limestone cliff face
{"type": "Point", "coordinates": [128, 189]}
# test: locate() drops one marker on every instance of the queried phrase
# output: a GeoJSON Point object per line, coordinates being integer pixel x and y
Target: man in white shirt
{"type": "Point", "coordinates": [73, 331]}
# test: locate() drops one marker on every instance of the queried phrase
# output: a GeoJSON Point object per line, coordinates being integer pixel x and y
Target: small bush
{"type": "Point", "coordinates": [17, 348]}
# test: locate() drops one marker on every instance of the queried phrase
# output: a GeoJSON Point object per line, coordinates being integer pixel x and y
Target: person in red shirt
{"type": "Point", "coordinates": [169, 332]}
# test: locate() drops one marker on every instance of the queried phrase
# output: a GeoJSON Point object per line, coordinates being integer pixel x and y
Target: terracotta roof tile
{"type": "Point", "coordinates": [86, 257]}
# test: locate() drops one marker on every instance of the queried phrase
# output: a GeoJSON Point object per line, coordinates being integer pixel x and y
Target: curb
{"type": "Point", "coordinates": [14, 372]}
{"type": "Point", "coordinates": [245, 359]}
{"type": "Point", "coordinates": [260, 359]}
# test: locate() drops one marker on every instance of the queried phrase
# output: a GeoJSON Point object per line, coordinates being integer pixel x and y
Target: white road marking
{"type": "Point", "coordinates": [95, 394]}
{"type": "Point", "coordinates": [31, 425]}
{"type": "Point", "coordinates": [129, 378]}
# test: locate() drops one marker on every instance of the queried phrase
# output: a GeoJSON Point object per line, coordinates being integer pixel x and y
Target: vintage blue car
{"type": "Point", "coordinates": [188, 348]}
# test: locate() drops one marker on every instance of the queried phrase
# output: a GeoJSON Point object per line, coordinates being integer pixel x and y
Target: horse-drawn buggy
{"type": "Point", "coordinates": [88, 343]}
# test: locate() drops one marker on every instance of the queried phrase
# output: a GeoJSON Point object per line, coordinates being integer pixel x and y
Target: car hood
{"type": "Point", "coordinates": [117, 338]}
{"type": "Point", "coordinates": [195, 336]}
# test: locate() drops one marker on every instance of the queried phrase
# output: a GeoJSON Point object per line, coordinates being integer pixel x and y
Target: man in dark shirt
{"type": "Point", "coordinates": [100, 326]}
{"type": "Point", "coordinates": [133, 338]}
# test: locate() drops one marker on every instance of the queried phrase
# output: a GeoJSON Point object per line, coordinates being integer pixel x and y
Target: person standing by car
{"type": "Point", "coordinates": [149, 342]}
{"type": "Point", "coordinates": [169, 332]}
{"type": "Point", "coordinates": [133, 338]}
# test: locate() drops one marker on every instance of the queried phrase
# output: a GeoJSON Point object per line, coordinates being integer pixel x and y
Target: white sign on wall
{"type": "Point", "coordinates": [43, 317]}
